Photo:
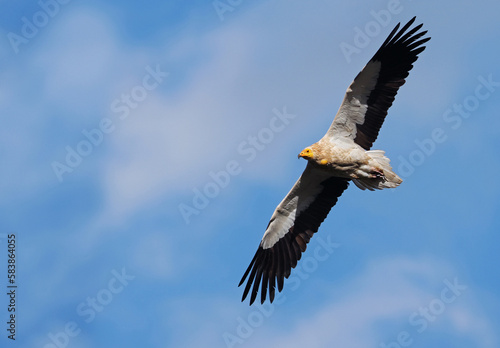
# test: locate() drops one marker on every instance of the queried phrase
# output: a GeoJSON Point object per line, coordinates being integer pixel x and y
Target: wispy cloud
{"type": "Point", "coordinates": [388, 291]}
{"type": "Point", "coordinates": [119, 208]}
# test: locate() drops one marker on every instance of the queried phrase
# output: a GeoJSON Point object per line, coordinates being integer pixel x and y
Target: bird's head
{"type": "Point", "coordinates": [307, 153]}
{"type": "Point", "coordinates": [314, 153]}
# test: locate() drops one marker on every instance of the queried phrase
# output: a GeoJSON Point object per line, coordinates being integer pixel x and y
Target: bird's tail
{"type": "Point", "coordinates": [388, 180]}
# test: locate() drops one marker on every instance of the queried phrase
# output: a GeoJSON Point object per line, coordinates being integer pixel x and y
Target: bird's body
{"type": "Point", "coordinates": [341, 156]}
{"type": "Point", "coordinates": [368, 169]}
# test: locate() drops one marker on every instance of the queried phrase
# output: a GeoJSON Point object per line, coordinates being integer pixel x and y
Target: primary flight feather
{"type": "Point", "coordinates": [342, 155]}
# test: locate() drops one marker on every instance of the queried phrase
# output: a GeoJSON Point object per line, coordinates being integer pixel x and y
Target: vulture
{"type": "Point", "coordinates": [341, 156]}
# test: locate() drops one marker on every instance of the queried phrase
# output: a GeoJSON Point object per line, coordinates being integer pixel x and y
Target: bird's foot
{"type": "Point", "coordinates": [377, 174]}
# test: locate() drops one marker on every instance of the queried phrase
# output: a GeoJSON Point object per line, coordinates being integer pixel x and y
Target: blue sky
{"type": "Point", "coordinates": [118, 117]}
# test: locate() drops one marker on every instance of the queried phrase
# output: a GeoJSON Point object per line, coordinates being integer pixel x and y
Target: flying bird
{"type": "Point", "coordinates": [341, 156]}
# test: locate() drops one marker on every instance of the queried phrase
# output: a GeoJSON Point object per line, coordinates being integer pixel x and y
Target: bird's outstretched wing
{"type": "Point", "coordinates": [372, 92]}
{"type": "Point", "coordinates": [292, 225]}
{"type": "Point", "coordinates": [358, 120]}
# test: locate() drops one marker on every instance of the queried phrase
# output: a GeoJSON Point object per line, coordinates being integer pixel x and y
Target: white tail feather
{"type": "Point", "coordinates": [389, 180]}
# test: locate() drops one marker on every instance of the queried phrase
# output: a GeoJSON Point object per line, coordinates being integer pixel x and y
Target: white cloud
{"type": "Point", "coordinates": [153, 255]}
{"type": "Point", "coordinates": [193, 122]}
{"type": "Point", "coordinates": [173, 141]}
{"type": "Point", "coordinates": [240, 73]}
{"type": "Point", "coordinates": [388, 291]}
{"type": "Point", "coordinates": [223, 85]}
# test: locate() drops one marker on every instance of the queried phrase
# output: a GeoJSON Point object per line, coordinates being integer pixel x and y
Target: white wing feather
{"type": "Point", "coordinates": [302, 194]}
{"type": "Point", "coordinates": [353, 109]}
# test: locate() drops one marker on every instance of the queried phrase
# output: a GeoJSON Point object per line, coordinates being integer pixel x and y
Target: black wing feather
{"type": "Point", "coordinates": [270, 266]}
{"type": "Point", "coordinates": [397, 55]}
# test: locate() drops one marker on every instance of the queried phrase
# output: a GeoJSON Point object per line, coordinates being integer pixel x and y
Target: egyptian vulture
{"type": "Point", "coordinates": [342, 155]}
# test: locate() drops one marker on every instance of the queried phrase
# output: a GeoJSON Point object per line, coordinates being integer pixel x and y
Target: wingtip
{"type": "Point", "coordinates": [253, 297]}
